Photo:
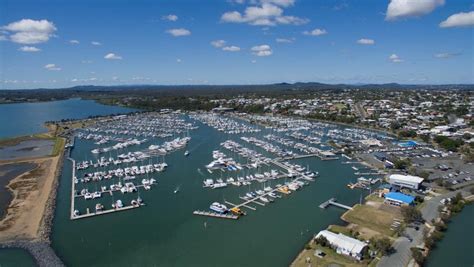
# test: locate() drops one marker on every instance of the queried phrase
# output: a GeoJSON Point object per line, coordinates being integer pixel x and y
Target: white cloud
{"type": "Point", "coordinates": [267, 14]}
{"type": "Point", "coordinates": [51, 67]}
{"type": "Point", "coordinates": [28, 31]}
{"type": "Point", "coordinates": [316, 32]}
{"type": "Point", "coordinates": [178, 32]}
{"type": "Point", "coordinates": [462, 19]}
{"type": "Point", "coordinates": [365, 41]}
{"type": "Point", "coordinates": [218, 43]}
{"type": "Point", "coordinates": [253, 61]}
{"type": "Point", "coordinates": [74, 42]}
{"type": "Point", "coordinates": [283, 3]}
{"type": "Point", "coordinates": [3, 38]}
{"type": "Point", "coordinates": [29, 49]}
{"type": "Point", "coordinates": [112, 56]}
{"type": "Point", "coordinates": [284, 40]}
{"type": "Point", "coordinates": [96, 43]}
{"type": "Point", "coordinates": [231, 48]}
{"type": "Point", "coordinates": [411, 8]}
{"type": "Point", "coordinates": [262, 50]}
{"type": "Point", "coordinates": [395, 58]}
{"type": "Point", "coordinates": [446, 55]}
{"type": "Point", "coordinates": [170, 17]}
{"type": "Point", "coordinates": [178, 60]}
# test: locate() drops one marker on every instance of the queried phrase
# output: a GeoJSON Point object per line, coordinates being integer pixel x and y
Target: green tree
{"type": "Point", "coordinates": [411, 214]}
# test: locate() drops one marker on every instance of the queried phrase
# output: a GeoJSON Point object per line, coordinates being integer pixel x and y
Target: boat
{"type": "Point", "coordinates": [218, 207]}
{"type": "Point", "coordinates": [186, 153]}
{"type": "Point", "coordinates": [176, 190]}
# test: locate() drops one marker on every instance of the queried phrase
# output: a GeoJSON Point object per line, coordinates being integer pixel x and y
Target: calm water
{"type": "Point", "coordinates": [28, 118]}
{"type": "Point", "coordinates": [165, 233]}
{"type": "Point", "coordinates": [458, 243]}
{"type": "Point", "coordinates": [27, 149]}
{"type": "Point", "coordinates": [7, 173]}
{"type": "Point", "coordinates": [15, 258]}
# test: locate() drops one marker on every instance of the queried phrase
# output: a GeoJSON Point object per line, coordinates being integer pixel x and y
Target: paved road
{"type": "Point", "coordinates": [412, 238]}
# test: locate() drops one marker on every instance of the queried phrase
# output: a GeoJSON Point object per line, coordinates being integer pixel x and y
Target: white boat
{"type": "Point", "coordinates": [218, 207]}
{"type": "Point", "coordinates": [186, 153]}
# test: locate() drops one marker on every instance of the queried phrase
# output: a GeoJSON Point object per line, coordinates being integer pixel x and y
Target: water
{"type": "Point", "coordinates": [7, 173]}
{"type": "Point", "coordinates": [15, 257]}
{"type": "Point", "coordinates": [27, 149]}
{"type": "Point", "coordinates": [166, 233]}
{"type": "Point", "coordinates": [29, 118]}
{"type": "Point", "coordinates": [456, 248]}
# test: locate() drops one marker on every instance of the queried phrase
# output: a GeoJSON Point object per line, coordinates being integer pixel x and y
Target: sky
{"type": "Point", "coordinates": [56, 44]}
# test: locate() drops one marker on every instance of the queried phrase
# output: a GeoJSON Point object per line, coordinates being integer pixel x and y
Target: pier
{"type": "Point", "coordinates": [215, 214]}
{"type": "Point", "coordinates": [332, 201]}
{"type": "Point", "coordinates": [91, 214]}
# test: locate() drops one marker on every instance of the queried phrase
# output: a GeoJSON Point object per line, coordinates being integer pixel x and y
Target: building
{"type": "Point", "coordinates": [399, 199]}
{"type": "Point", "coordinates": [343, 244]}
{"type": "Point", "coordinates": [407, 181]}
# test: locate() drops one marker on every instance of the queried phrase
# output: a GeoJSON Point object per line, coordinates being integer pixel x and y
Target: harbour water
{"type": "Point", "coordinates": [12, 257]}
{"type": "Point", "coordinates": [456, 248]}
{"type": "Point", "coordinates": [166, 233]}
{"type": "Point", "coordinates": [28, 118]}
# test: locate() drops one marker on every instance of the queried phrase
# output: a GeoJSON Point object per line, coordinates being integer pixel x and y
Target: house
{"type": "Point", "coordinates": [344, 245]}
{"type": "Point", "coordinates": [399, 199]}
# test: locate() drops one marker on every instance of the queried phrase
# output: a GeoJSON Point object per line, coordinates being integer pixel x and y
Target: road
{"type": "Point", "coordinates": [412, 238]}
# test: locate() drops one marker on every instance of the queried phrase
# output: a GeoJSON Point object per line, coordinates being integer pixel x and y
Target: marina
{"type": "Point", "coordinates": [254, 185]}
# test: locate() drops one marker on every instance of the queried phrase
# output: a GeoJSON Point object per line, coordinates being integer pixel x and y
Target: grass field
{"type": "Point", "coordinates": [373, 218]}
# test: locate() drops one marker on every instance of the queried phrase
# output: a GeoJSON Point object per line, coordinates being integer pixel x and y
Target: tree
{"type": "Point", "coordinates": [411, 214]}
{"type": "Point", "coordinates": [321, 240]}
{"type": "Point", "coordinates": [383, 245]}
{"type": "Point", "coordinates": [417, 256]}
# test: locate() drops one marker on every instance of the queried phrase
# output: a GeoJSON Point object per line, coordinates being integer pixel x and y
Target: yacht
{"type": "Point", "coordinates": [218, 207]}
{"type": "Point", "coordinates": [186, 153]}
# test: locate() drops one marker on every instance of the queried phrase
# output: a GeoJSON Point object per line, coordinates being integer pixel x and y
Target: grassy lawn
{"type": "Point", "coordinates": [331, 258]}
{"type": "Point", "coordinates": [59, 144]}
{"type": "Point", "coordinates": [339, 229]}
{"type": "Point", "coordinates": [372, 218]}
{"type": "Point", "coordinates": [374, 198]}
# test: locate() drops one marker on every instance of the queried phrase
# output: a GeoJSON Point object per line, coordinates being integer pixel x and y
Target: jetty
{"type": "Point", "coordinates": [215, 214]}
{"type": "Point", "coordinates": [332, 201]}
{"type": "Point", "coordinates": [91, 214]}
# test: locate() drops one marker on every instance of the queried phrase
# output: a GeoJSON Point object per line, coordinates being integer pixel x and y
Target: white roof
{"type": "Point", "coordinates": [343, 242]}
{"type": "Point", "coordinates": [406, 178]}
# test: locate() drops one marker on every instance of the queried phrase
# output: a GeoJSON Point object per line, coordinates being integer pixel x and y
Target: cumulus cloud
{"type": "Point", "coordinates": [29, 49]}
{"type": "Point", "coordinates": [462, 19]}
{"type": "Point", "coordinates": [365, 41]}
{"type": "Point", "coordinates": [112, 56]}
{"type": "Point", "coordinates": [218, 43]}
{"type": "Point", "coordinates": [262, 50]}
{"type": "Point", "coordinates": [96, 43]}
{"type": "Point", "coordinates": [73, 41]}
{"type": "Point", "coordinates": [446, 55]}
{"type": "Point", "coordinates": [179, 32]}
{"type": "Point", "coordinates": [28, 31]}
{"type": "Point", "coordinates": [231, 48]}
{"type": "Point", "coordinates": [411, 8]}
{"type": "Point", "coordinates": [395, 58]}
{"type": "Point", "coordinates": [170, 17]}
{"type": "Point", "coordinates": [51, 67]}
{"type": "Point", "coordinates": [284, 40]}
{"type": "Point", "coordinates": [269, 13]}
{"type": "Point", "coordinates": [315, 32]}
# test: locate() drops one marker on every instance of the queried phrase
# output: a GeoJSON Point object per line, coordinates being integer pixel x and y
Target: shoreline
{"type": "Point", "coordinates": [29, 217]}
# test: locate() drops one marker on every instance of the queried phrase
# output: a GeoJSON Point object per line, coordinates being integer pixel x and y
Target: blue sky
{"type": "Point", "coordinates": [50, 43]}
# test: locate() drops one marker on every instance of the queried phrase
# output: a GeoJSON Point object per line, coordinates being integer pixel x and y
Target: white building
{"type": "Point", "coordinates": [343, 244]}
{"type": "Point", "coordinates": [407, 181]}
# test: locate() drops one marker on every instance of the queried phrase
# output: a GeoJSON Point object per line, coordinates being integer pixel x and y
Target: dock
{"type": "Point", "coordinates": [215, 214]}
{"type": "Point", "coordinates": [332, 201]}
{"type": "Point", "coordinates": [91, 214]}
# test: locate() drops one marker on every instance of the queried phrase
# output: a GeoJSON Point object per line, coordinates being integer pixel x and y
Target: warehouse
{"type": "Point", "coordinates": [398, 199]}
{"type": "Point", "coordinates": [343, 244]}
{"type": "Point", "coordinates": [407, 181]}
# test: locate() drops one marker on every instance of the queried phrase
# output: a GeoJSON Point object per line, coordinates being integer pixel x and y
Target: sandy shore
{"type": "Point", "coordinates": [31, 192]}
